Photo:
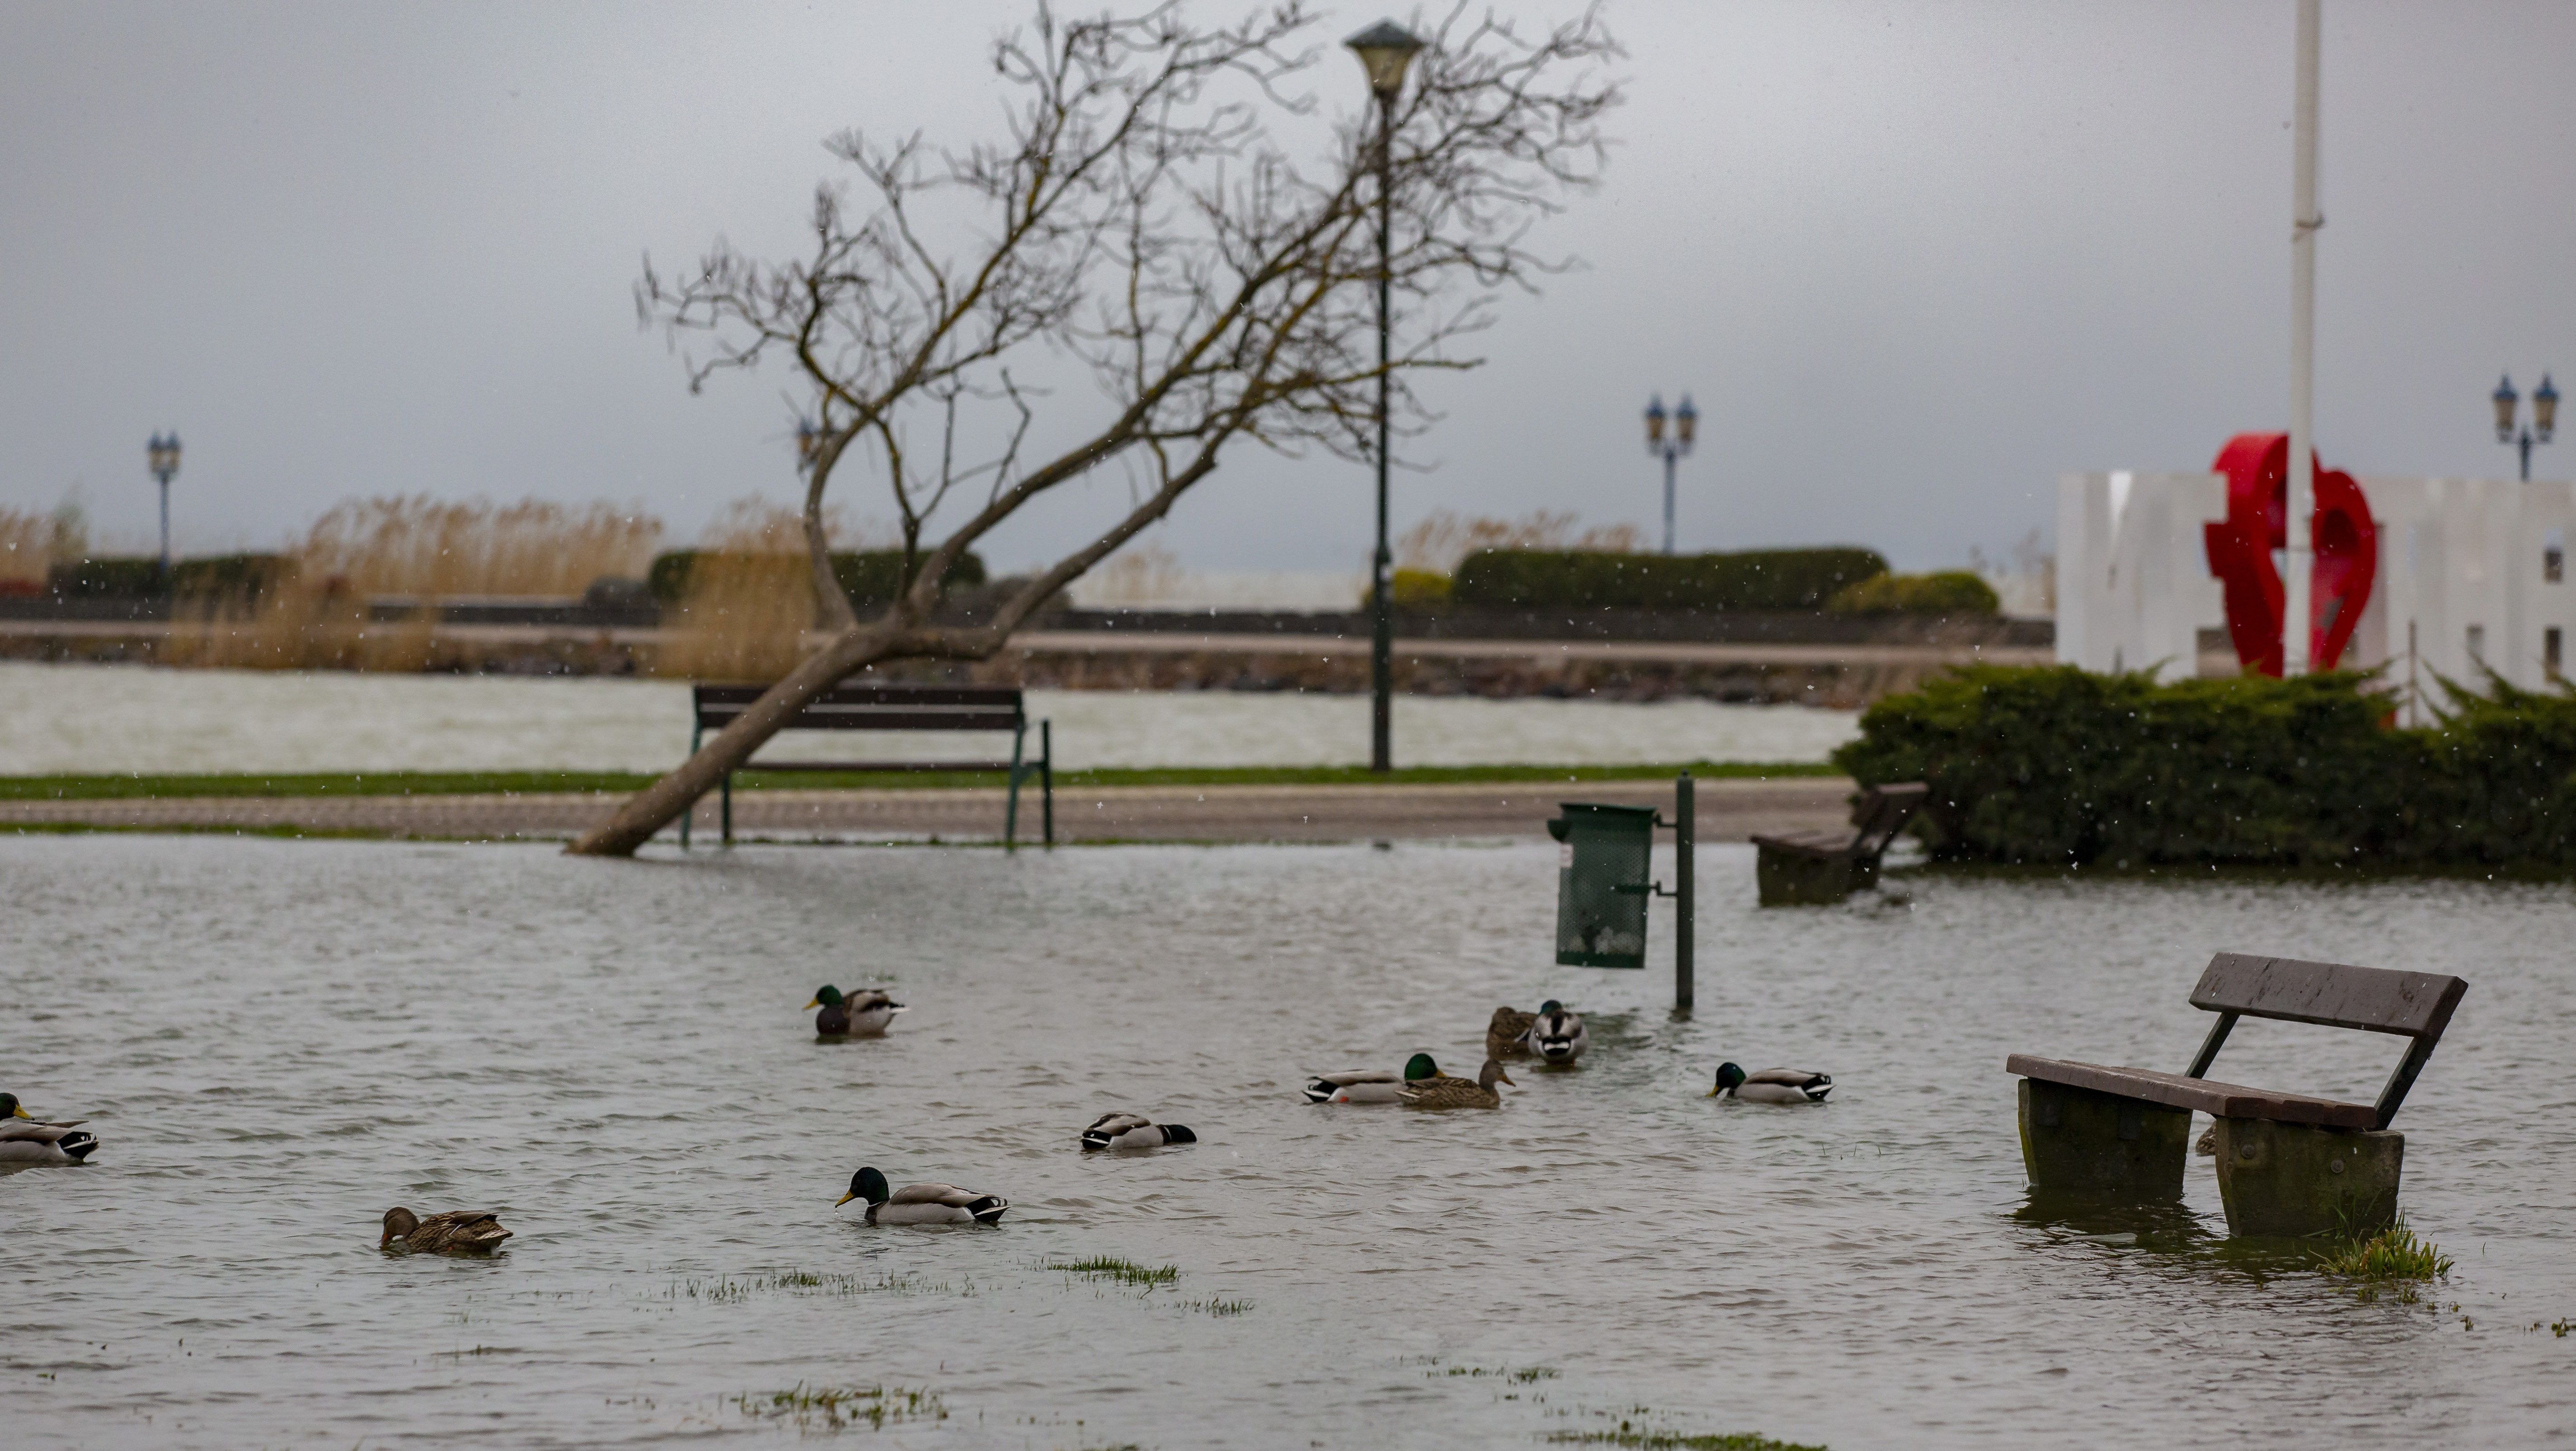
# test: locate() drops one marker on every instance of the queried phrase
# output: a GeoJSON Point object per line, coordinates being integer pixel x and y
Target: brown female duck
{"type": "Point", "coordinates": [459, 1231]}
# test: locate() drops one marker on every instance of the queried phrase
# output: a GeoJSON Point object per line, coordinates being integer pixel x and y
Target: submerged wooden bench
{"type": "Point", "coordinates": [1819, 868]}
{"type": "Point", "coordinates": [2288, 1163]}
{"type": "Point", "coordinates": [848, 707]}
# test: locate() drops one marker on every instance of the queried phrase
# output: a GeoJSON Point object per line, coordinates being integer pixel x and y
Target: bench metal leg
{"type": "Point", "coordinates": [728, 810]}
{"type": "Point", "coordinates": [1046, 776]}
{"type": "Point", "coordinates": [1795, 879]}
{"type": "Point", "coordinates": [1011, 811]}
{"type": "Point", "coordinates": [2300, 1180]}
{"type": "Point", "coordinates": [2076, 1139]}
{"type": "Point", "coordinates": [694, 732]}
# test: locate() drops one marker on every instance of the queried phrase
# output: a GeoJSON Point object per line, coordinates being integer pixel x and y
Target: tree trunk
{"type": "Point", "coordinates": [661, 803]}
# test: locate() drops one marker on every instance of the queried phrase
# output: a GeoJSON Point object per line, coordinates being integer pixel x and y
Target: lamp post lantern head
{"type": "Point", "coordinates": [2544, 409]}
{"type": "Point", "coordinates": [2505, 399]}
{"type": "Point", "coordinates": [163, 451]}
{"type": "Point", "coordinates": [1385, 50]}
{"type": "Point", "coordinates": [1685, 423]}
{"type": "Point", "coordinates": [1655, 423]}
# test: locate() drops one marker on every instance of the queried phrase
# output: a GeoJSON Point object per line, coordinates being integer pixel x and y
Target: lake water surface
{"type": "Point", "coordinates": [278, 1040]}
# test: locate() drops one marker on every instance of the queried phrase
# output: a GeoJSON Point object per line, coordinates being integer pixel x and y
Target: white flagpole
{"type": "Point", "coordinates": [2297, 609]}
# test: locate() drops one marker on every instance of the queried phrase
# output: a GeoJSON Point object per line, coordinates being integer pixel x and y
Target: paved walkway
{"type": "Point", "coordinates": [1729, 810]}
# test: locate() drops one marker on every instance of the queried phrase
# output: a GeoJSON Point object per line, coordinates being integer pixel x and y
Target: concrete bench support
{"type": "Point", "coordinates": [1796, 879]}
{"type": "Point", "coordinates": [2080, 1141]}
{"type": "Point", "coordinates": [2294, 1180]}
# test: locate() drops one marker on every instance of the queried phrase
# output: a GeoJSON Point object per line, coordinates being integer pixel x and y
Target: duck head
{"type": "Point", "coordinates": [1550, 1006]}
{"type": "Point", "coordinates": [10, 1107]}
{"type": "Point", "coordinates": [1493, 1073]}
{"type": "Point", "coordinates": [1729, 1079]}
{"type": "Point", "coordinates": [1419, 1067]}
{"type": "Point", "coordinates": [399, 1223]}
{"type": "Point", "coordinates": [826, 996]}
{"type": "Point", "coordinates": [866, 1184]}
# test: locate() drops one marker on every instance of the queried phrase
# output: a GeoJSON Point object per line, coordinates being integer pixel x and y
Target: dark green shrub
{"type": "Point", "coordinates": [1955, 592]}
{"type": "Point", "coordinates": [1758, 579]}
{"type": "Point", "coordinates": [868, 577]}
{"type": "Point", "coordinates": [106, 579]}
{"type": "Point", "coordinates": [2053, 764]}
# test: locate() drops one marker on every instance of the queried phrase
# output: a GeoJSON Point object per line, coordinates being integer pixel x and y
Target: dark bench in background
{"type": "Point", "coordinates": [1820, 868]}
{"type": "Point", "coordinates": [2288, 1164]}
{"type": "Point", "coordinates": [894, 708]}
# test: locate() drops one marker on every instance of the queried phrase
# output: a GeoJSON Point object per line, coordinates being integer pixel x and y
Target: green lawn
{"type": "Point", "coordinates": [460, 783]}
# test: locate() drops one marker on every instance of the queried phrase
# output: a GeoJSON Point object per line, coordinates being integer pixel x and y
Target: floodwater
{"type": "Point", "coordinates": [278, 1040]}
{"type": "Point", "coordinates": [103, 718]}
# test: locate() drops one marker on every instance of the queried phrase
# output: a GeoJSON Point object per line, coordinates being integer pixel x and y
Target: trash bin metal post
{"type": "Point", "coordinates": [1685, 893]}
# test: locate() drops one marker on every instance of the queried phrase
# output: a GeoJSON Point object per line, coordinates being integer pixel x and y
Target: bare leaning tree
{"type": "Point", "coordinates": [1146, 222]}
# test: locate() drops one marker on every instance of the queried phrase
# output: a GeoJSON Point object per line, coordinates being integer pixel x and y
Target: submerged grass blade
{"type": "Point", "coordinates": [1125, 1272]}
{"type": "Point", "coordinates": [2392, 1254]}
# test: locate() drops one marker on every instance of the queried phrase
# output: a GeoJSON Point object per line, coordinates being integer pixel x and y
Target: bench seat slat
{"type": "Point", "coordinates": [1810, 843]}
{"type": "Point", "coordinates": [2218, 1100]}
{"type": "Point", "coordinates": [1003, 697]}
{"type": "Point", "coordinates": [877, 719]}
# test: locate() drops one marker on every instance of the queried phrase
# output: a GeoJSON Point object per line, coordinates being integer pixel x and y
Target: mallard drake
{"type": "Point", "coordinates": [863, 1014]}
{"type": "Point", "coordinates": [24, 1139]}
{"type": "Point", "coordinates": [1368, 1085]}
{"type": "Point", "coordinates": [1133, 1131]}
{"type": "Point", "coordinates": [458, 1231]}
{"type": "Point", "coordinates": [1443, 1091]}
{"type": "Point", "coordinates": [1772, 1085]}
{"type": "Point", "coordinates": [1507, 1036]}
{"type": "Point", "coordinates": [1555, 1034]}
{"type": "Point", "coordinates": [922, 1203]}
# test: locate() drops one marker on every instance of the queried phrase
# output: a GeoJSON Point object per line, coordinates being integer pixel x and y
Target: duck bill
{"type": "Point", "coordinates": [844, 1199]}
{"type": "Point", "coordinates": [1505, 1078]}
{"type": "Point", "coordinates": [1712, 1093]}
{"type": "Point", "coordinates": [818, 1002]}
{"type": "Point", "coordinates": [20, 1111]}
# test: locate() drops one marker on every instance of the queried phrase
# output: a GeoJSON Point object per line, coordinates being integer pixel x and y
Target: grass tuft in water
{"type": "Point", "coordinates": [2392, 1254]}
{"type": "Point", "coordinates": [1125, 1272]}
{"type": "Point", "coordinates": [1218, 1307]}
{"type": "Point", "coordinates": [1677, 1441]}
{"type": "Point", "coordinates": [1523, 1376]}
{"type": "Point", "coordinates": [733, 1290]}
{"type": "Point", "coordinates": [834, 1408]}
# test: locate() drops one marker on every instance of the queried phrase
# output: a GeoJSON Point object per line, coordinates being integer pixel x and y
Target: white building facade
{"type": "Point", "coordinates": [2472, 576]}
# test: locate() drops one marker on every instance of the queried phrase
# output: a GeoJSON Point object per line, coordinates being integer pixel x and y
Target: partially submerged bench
{"type": "Point", "coordinates": [2288, 1164]}
{"type": "Point", "coordinates": [1819, 868]}
{"type": "Point", "coordinates": [848, 707]}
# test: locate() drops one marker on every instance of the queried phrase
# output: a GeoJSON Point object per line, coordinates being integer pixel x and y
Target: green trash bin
{"type": "Point", "coordinates": [1602, 883]}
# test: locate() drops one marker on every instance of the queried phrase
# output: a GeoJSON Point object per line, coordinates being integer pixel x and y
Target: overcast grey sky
{"type": "Point", "coordinates": [1912, 261]}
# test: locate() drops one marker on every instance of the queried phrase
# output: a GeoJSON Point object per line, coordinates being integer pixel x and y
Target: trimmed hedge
{"type": "Point", "coordinates": [1757, 579]}
{"type": "Point", "coordinates": [106, 579]}
{"type": "Point", "coordinates": [868, 577]}
{"type": "Point", "coordinates": [2052, 764]}
{"type": "Point", "coordinates": [1949, 592]}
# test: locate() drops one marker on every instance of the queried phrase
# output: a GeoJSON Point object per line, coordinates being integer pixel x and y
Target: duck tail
{"type": "Point", "coordinates": [1318, 1090]}
{"type": "Point", "coordinates": [988, 1210]}
{"type": "Point", "coordinates": [78, 1144]}
{"type": "Point", "coordinates": [1175, 1134]}
{"type": "Point", "coordinates": [1095, 1139]}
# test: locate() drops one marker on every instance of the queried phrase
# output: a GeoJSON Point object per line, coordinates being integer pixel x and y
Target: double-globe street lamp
{"type": "Point", "coordinates": [2544, 417]}
{"type": "Point", "coordinates": [163, 451]}
{"type": "Point", "coordinates": [1385, 50]}
{"type": "Point", "coordinates": [1671, 450]}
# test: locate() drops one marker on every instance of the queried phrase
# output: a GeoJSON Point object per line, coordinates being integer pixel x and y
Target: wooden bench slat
{"type": "Point", "coordinates": [2174, 1090]}
{"type": "Point", "coordinates": [854, 766]}
{"type": "Point", "coordinates": [1004, 696]}
{"type": "Point", "coordinates": [887, 718]}
{"type": "Point", "coordinates": [2372, 999]}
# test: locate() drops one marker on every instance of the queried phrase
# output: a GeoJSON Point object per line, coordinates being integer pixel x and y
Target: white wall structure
{"type": "Point", "coordinates": [2472, 577]}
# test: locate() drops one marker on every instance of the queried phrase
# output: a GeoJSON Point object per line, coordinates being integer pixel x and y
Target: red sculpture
{"type": "Point", "coordinates": [2345, 541]}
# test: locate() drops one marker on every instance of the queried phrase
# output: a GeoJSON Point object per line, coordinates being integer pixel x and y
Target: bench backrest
{"type": "Point", "coordinates": [1882, 812]}
{"type": "Point", "coordinates": [877, 707]}
{"type": "Point", "coordinates": [2415, 1005]}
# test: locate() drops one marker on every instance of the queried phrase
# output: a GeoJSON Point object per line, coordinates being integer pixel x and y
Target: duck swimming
{"type": "Point", "coordinates": [1133, 1131]}
{"type": "Point", "coordinates": [459, 1231]}
{"type": "Point", "coordinates": [1772, 1085]}
{"type": "Point", "coordinates": [1557, 1035]}
{"type": "Point", "coordinates": [1507, 1036]}
{"type": "Point", "coordinates": [922, 1203]}
{"type": "Point", "coordinates": [863, 1014]}
{"type": "Point", "coordinates": [1443, 1091]}
{"type": "Point", "coordinates": [1368, 1085]}
{"type": "Point", "coordinates": [25, 1139]}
